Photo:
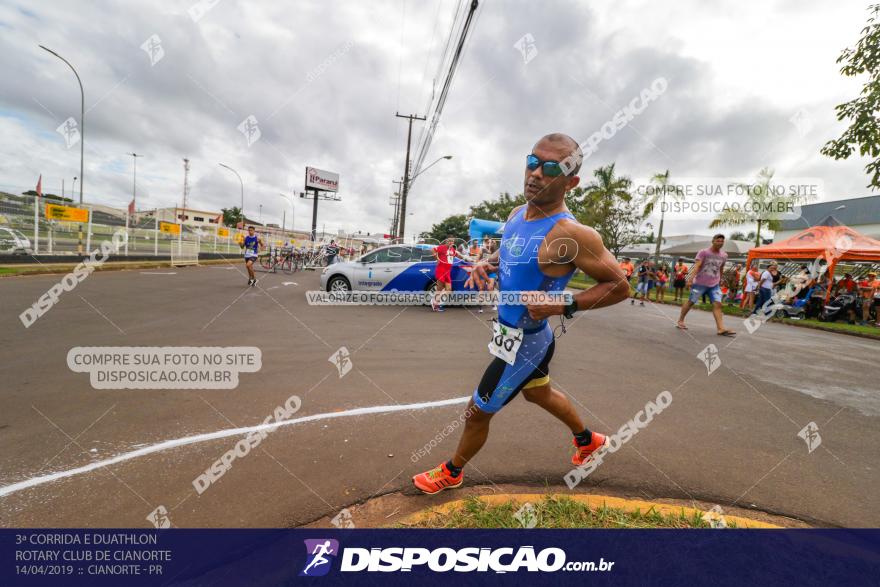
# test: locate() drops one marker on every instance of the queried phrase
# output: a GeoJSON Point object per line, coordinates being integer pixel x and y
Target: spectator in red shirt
{"type": "Point", "coordinates": [445, 254]}
{"type": "Point", "coordinates": [679, 279]}
{"type": "Point", "coordinates": [847, 283]}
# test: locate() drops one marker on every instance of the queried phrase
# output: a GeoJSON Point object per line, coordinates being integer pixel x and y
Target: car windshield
{"type": "Point", "coordinates": [391, 255]}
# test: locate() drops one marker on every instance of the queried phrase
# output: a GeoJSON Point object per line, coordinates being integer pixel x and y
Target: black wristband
{"type": "Point", "coordinates": [570, 309]}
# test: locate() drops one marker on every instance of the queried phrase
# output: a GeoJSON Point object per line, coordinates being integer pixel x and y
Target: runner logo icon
{"type": "Point", "coordinates": [319, 553]}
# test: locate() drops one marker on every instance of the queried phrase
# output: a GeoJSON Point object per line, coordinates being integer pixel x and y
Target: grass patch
{"type": "Point", "coordinates": [558, 512]}
{"type": "Point", "coordinates": [11, 270]}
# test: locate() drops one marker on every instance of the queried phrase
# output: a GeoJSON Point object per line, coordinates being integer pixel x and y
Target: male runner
{"type": "Point", "coordinates": [706, 280]}
{"type": "Point", "coordinates": [541, 248]}
{"type": "Point", "coordinates": [251, 245]}
{"type": "Point", "coordinates": [445, 254]}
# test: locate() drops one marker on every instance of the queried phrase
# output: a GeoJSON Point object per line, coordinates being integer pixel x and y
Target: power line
{"type": "Point", "coordinates": [447, 84]}
{"type": "Point", "coordinates": [431, 48]}
{"type": "Point", "coordinates": [441, 63]}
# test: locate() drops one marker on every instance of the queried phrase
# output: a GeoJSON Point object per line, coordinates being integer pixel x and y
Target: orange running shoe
{"type": "Point", "coordinates": [437, 480]}
{"type": "Point", "coordinates": [582, 453]}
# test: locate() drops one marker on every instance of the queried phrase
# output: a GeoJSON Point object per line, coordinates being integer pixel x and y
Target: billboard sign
{"type": "Point", "coordinates": [322, 180]}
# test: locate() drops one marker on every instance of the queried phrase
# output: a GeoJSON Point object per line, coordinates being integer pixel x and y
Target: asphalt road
{"type": "Point", "coordinates": [729, 437]}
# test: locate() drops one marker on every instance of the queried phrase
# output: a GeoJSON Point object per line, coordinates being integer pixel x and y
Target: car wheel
{"type": "Point", "coordinates": [338, 283]}
{"type": "Point", "coordinates": [430, 289]}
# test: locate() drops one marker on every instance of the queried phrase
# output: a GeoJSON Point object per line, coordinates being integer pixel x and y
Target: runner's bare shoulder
{"type": "Point", "coordinates": [567, 227]}
{"type": "Point", "coordinates": [515, 210]}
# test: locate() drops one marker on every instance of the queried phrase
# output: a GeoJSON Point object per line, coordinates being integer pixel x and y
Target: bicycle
{"type": "Point", "coordinates": [272, 259]}
{"type": "Point", "coordinates": [314, 259]}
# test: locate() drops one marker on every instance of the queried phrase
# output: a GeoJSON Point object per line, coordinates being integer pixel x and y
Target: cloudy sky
{"type": "Point", "coordinates": [323, 79]}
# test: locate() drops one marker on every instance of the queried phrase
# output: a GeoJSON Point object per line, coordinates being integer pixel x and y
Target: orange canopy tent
{"type": "Point", "coordinates": [828, 240]}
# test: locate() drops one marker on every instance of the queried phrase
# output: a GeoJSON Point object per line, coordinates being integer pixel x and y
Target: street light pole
{"type": "Point", "coordinates": [292, 212]}
{"type": "Point", "coordinates": [82, 120]}
{"type": "Point", "coordinates": [134, 180]}
{"type": "Point", "coordinates": [133, 197]}
{"type": "Point", "coordinates": [242, 190]}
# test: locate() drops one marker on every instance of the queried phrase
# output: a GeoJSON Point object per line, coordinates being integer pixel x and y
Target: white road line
{"type": "Point", "coordinates": [158, 273]}
{"type": "Point", "coordinates": [177, 442]}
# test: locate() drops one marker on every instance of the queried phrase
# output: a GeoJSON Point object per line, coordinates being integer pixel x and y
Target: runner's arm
{"type": "Point", "coordinates": [591, 257]}
{"type": "Point", "coordinates": [596, 261]}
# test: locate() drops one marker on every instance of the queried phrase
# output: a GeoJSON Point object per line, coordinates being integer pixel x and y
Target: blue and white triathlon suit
{"type": "Point", "coordinates": [251, 243]}
{"type": "Point", "coordinates": [519, 271]}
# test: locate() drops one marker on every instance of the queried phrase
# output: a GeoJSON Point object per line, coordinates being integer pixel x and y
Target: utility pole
{"type": "Point", "coordinates": [402, 214]}
{"type": "Point", "coordinates": [396, 200]}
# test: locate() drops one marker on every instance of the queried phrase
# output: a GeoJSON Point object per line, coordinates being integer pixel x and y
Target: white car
{"type": "Point", "coordinates": [12, 241]}
{"type": "Point", "coordinates": [393, 267]}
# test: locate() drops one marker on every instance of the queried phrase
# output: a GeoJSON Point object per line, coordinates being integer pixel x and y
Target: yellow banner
{"type": "Point", "coordinates": [69, 213]}
{"type": "Point", "coordinates": [169, 228]}
{"type": "Point", "coordinates": [222, 232]}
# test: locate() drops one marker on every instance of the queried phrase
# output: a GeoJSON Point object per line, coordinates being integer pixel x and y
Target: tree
{"type": "Point", "coordinates": [232, 216]}
{"type": "Point", "coordinates": [659, 194]}
{"type": "Point", "coordinates": [606, 205]}
{"type": "Point", "coordinates": [739, 236]}
{"type": "Point", "coordinates": [498, 209]}
{"type": "Point", "coordinates": [764, 206]}
{"type": "Point", "coordinates": [608, 189]}
{"type": "Point", "coordinates": [456, 225]}
{"type": "Point", "coordinates": [750, 236]}
{"type": "Point", "coordinates": [619, 229]}
{"type": "Point", "coordinates": [864, 130]}
{"type": "Point", "coordinates": [47, 196]}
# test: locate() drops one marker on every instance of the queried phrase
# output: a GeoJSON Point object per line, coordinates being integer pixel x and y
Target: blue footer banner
{"type": "Point", "coordinates": [533, 557]}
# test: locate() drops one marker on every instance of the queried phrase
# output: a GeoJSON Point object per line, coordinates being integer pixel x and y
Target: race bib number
{"type": "Point", "coordinates": [505, 342]}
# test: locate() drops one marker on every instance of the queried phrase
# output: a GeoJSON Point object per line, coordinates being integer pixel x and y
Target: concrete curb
{"type": "Point", "coordinates": [593, 501]}
{"type": "Point", "coordinates": [58, 269]}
